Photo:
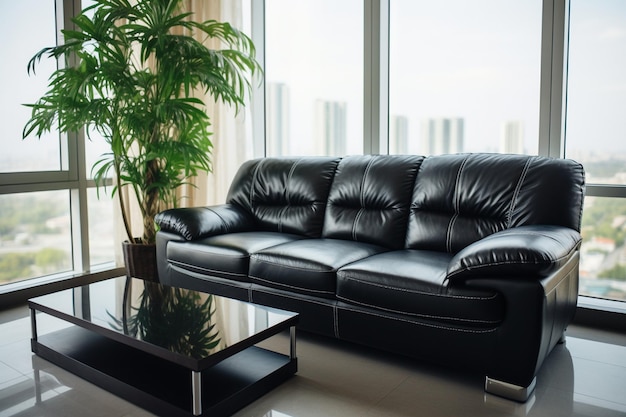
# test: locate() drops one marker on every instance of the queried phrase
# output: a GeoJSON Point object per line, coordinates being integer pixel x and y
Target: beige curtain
{"type": "Point", "coordinates": [231, 145]}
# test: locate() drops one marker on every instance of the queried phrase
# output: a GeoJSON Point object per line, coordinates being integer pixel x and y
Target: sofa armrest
{"type": "Point", "coordinates": [536, 250]}
{"type": "Point", "coordinates": [535, 269]}
{"type": "Point", "coordinates": [200, 222]}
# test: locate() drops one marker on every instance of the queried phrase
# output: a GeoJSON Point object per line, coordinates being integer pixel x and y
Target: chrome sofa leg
{"type": "Point", "coordinates": [510, 391]}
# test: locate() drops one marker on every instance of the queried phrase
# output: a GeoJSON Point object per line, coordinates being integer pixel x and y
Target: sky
{"type": "Point", "coordinates": [477, 60]}
{"type": "Point", "coordinates": [30, 23]}
{"type": "Point", "coordinates": [597, 76]}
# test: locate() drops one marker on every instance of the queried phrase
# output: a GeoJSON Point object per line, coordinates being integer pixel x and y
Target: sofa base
{"type": "Point", "coordinates": [510, 391]}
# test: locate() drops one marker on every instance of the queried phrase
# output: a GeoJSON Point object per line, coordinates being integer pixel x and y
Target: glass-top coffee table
{"type": "Point", "coordinates": [169, 350]}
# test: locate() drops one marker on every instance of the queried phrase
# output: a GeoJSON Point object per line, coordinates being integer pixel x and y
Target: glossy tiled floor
{"type": "Point", "coordinates": [585, 377]}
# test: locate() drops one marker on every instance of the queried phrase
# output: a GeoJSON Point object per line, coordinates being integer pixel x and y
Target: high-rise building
{"type": "Point", "coordinates": [442, 135]}
{"type": "Point", "coordinates": [512, 137]}
{"type": "Point", "coordinates": [398, 135]}
{"type": "Point", "coordinates": [330, 127]}
{"type": "Point", "coordinates": [277, 121]}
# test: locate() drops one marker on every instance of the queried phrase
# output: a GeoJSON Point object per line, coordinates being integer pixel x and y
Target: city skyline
{"type": "Point", "coordinates": [277, 120]}
{"type": "Point", "coordinates": [330, 127]}
{"type": "Point", "coordinates": [399, 137]}
{"type": "Point", "coordinates": [437, 134]}
{"type": "Point", "coordinates": [512, 136]}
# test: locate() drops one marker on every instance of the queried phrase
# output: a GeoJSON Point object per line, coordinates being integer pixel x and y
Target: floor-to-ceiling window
{"type": "Point", "coordinates": [33, 23]}
{"type": "Point", "coordinates": [595, 135]}
{"type": "Point", "coordinates": [35, 232]}
{"type": "Point", "coordinates": [314, 77]}
{"type": "Point", "coordinates": [464, 76]}
{"type": "Point", "coordinates": [467, 72]}
{"type": "Point", "coordinates": [535, 77]}
{"type": "Point", "coordinates": [52, 222]}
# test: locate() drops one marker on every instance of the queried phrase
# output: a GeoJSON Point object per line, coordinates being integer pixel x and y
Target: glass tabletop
{"type": "Point", "coordinates": [190, 327]}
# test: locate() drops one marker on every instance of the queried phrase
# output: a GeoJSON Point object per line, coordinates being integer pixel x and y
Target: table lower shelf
{"type": "Point", "coordinates": [160, 386]}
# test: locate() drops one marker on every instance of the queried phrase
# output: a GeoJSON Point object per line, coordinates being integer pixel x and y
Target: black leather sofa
{"type": "Point", "coordinates": [469, 260]}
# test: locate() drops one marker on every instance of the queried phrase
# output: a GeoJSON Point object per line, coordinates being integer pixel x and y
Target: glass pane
{"type": "Point", "coordinates": [35, 235]}
{"type": "Point", "coordinates": [595, 125]}
{"type": "Point", "coordinates": [95, 148]}
{"type": "Point", "coordinates": [33, 23]}
{"type": "Point", "coordinates": [101, 228]}
{"type": "Point", "coordinates": [596, 89]}
{"type": "Point", "coordinates": [314, 77]}
{"type": "Point", "coordinates": [95, 145]}
{"type": "Point", "coordinates": [603, 252]}
{"type": "Point", "coordinates": [464, 76]}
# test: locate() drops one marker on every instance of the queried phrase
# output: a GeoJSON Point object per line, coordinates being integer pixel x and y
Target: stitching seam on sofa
{"type": "Point", "coordinates": [289, 176]}
{"type": "Point", "coordinates": [428, 316]}
{"type": "Point", "coordinates": [328, 271]}
{"type": "Point", "coordinates": [456, 204]}
{"type": "Point", "coordinates": [190, 248]}
{"type": "Point", "coordinates": [475, 267]}
{"type": "Point", "coordinates": [417, 323]}
{"type": "Point", "coordinates": [518, 189]}
{"type": "Point", "coordinates": [361, 200]}
{"type": "Point", "coordinates": [365, 174]}
{"type": "Point", "coordinates": [450, 229]}
{"type": "Point", "coordinates": [255, 176]}
{"type": "Point", "coordinates": [280, 284]}
{"type": "Point", "coordinates": [210, 271]}
{"type": "Point", "coordinates": [226, 228]}
{"type": "Point", "coordinates": [287, 295]}
{"type": "Point", "coordinates": [356, 221]}
{"type": "Point", "coordinates": [462, 297]}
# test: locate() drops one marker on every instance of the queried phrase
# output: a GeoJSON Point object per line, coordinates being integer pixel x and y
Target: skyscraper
{"type": "Point", "coordinates": [277, 122]}
{"type": "Point", "coordinates": [442, 135]}
{"type": "Point", "coordinates": [512, 137]}
{"type": "Point", "coordinates": [398, 135]}
{"type": "Point", "coordinates": [330, 127]}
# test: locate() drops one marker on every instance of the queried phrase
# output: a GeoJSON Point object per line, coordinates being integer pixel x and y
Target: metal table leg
{"type": "Point", "coordinates": [292, 346]}
{"type": "Point", "coordinates": [196, 392]}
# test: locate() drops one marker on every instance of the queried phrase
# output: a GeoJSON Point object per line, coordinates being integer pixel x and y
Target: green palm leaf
{"type": "Point", "coordinates": [133, 81]}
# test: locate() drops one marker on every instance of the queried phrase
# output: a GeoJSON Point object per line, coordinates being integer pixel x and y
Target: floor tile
{"type": "Point", "coordinates": [7, 373]}
{"type": "Point", "coordinates": [584, 377]}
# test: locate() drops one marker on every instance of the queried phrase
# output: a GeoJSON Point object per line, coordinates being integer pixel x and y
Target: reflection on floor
{"type": "Point", "coordinates": [584, 377]}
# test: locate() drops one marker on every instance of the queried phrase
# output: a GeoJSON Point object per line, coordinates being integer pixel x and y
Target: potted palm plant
{"type": "Point", "coordinates": [130, 76]}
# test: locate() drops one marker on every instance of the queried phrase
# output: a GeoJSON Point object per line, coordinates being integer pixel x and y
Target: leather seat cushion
{"type": "Point", "coordinates": [226, 256]}
{"type": "Point", "coordinates": [307, 266]}
{"type": "Point", "coordinates": [413, 282]}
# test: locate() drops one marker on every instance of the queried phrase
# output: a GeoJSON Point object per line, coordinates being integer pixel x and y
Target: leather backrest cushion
{"type": "Point", "coordinates": [285, 194]}
{"type": "Point", "coordinates": [369, 199]}
{"type": "Point", "coordinates": [459, 199]}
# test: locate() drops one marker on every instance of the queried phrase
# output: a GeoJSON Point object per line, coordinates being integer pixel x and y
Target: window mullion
{"type": "Point", "coordinates": [553, 76]}
{"type": "Point", "coordinates": [258, 102]}
{"type": "Point", "coordinates": [376, 77]}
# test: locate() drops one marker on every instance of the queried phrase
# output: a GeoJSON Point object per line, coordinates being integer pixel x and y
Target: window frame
{"type": "Point", "coordinates": [612, 311]}
{"type": "Point", "coordinates": [71, 177]}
